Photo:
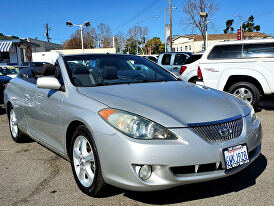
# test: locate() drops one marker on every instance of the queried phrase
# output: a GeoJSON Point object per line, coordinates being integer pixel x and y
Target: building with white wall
{"type": "Point", "coordinates": [195, 43]}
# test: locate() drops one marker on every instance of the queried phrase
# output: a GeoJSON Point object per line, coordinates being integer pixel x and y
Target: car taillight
{"type": "Point", "coordinates": [183, 68]}
{"type": "Point", "coordinates": [199, 73]}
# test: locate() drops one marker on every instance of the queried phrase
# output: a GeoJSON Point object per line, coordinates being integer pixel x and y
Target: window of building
{"type": "Point", "coordinates": [4, 57]}
{"type": "Point", "coordinates": [189, 47]}
{"type": "Point", "coordinates": [166, 59]}
{"type": "Point", "coordinates": [185, 48]}
{"type": "Point", "coordinates": [226, 52]}
{"type": "Point", "coordinates": [181, 49]}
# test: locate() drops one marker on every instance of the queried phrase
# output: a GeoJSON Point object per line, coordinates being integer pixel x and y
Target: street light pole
{"type": "Point", "coordinates": [206, 35]}
{"type": "Point", "coordinates": [204, 15]}
{"type": "Point", "coordinates": [241, 24]}
{"type": "Point", "coordinates": [82, 40]}
{"type": "Point", "coordinates": [174, 7]}
{"type": "Point", "coordinates": [165, 26]}
{"type": "Point", "coordinates": [86, 24]}
{"type": "Point", "coordinates": [170, 25]}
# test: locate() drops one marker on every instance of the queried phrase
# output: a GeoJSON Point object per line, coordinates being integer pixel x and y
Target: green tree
{"type": "Point", "coordinates": [156, 46]}
{"type": "Point", "coordinates": [229, 28]}
{"type": "Point", "coordinates": [249, 25]}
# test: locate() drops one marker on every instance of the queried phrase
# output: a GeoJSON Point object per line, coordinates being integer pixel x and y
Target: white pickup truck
{"type": "Point", "coordinates": [243, 68]}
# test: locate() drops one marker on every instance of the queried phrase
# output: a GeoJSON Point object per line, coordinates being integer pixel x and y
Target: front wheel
{"type": "Point", "coordinates": [85, 162]}
{"type": "Point", "coordinates": [246, 91]}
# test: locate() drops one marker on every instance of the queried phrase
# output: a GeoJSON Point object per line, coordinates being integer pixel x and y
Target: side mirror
{"type": "Point", "coordinates": [48, 83]}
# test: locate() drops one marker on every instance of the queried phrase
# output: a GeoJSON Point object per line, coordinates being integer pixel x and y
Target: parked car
{"type": "Point", "coordinates": [141, 132]}
{"type": "Point", "coordinates": [4, 80]}
{"type": "Point", "coordinates": [8, 71]}
{"type": "Point", "coordinates": [242, 68]}
{"type": "Point", "coordinates": [153, 58]}
{"type": "Point", "coordinates": [176, 62]}
{"type": "Point", "coordinates": [188, 72]}
{"type": "Point", "coordinates": [34, 64]}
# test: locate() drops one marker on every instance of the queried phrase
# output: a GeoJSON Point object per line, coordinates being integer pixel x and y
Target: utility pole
{"type": "Point", "coordinates": [47, 32]}
{"type": "Point", "coordinates": [170, 22]}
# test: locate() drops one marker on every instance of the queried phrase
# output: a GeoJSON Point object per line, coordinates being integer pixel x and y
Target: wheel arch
{"type": "Point", "coordinates": [230, 76]}
{"type": "Point", "coordinates": [9, 105]}
{"type": "Point", "coordinates": [69, 133]}
{"type": "Point", "coordinates": [243, 78]}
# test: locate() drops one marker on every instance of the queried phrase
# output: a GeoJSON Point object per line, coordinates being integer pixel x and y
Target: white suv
{"type": "Point", "coordinates": [243, 68]}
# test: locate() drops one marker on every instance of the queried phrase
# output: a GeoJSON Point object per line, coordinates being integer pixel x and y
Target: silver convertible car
{"type": "Point", "coordinates": [123, 120]}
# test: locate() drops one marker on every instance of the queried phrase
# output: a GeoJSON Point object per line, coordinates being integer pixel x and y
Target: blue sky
{"type": "Point", "coordinates": [27, 18]}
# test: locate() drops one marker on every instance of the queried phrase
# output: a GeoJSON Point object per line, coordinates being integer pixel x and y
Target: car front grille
{"type": "Point", "coordinates": [219, 131]}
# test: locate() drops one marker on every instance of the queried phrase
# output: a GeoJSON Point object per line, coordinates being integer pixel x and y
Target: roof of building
{"type": "Point", "coordinates": [4, 37]}
{"type": "Point", "coordinates": [228, 36]}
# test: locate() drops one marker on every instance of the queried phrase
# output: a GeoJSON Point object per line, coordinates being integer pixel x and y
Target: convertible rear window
{"type": "Point", "coordinates": [101, 70]}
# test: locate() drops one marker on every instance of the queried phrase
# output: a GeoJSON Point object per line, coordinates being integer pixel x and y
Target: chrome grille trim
{"type": "Point", "coordinates": [212, 132]}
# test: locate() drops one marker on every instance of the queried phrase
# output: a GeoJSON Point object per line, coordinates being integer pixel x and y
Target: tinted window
{"type": "Point", "coordinates": [226, 52]}
{"type": "Point", "coordinates": [113, 69]}
{"type": "Point", "coordinates": [259, 50]}
{"type": "Point", "coordinates": [28, 74]}
{"type": "Point", "coordinates": [180, 59]}
{"type": "Point", "coordinates": [193, 58]}
{"type": "Point", "coordinates": [166, 59]}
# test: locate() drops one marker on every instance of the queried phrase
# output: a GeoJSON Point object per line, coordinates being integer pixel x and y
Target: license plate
{"type": "Point", "coordinates": [235, 156]}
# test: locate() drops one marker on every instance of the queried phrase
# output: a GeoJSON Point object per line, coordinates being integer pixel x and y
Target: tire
{"type": "Point", "coordinates": [244, 90]}
{"type": "Point", "coordinates": [15, 132]}
{"type": "Point", "coordinates": [85, 162]}
{"type": "Point", "coordinates": [193, 80]}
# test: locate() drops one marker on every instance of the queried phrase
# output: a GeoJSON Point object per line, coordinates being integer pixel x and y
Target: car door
{"type": "Point", "coordinates": [29, 103]}
{"type": "Point", "coordinates": [48, 114]}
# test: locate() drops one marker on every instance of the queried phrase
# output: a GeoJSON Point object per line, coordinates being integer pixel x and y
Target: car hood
{"type": "Point", "coordinates": [171, 104]}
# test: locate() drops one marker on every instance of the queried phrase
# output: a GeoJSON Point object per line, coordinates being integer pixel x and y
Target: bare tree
{"type": "Point", "coordinates": [104, 35]}
{"type": "Point", "coordinates": [89, 36]}
{"type": "Point", "coordinates": [120, 40]}
{"type": "Point", "coordinates": [192, 9]}
{"type": "Point", "coordinates": [137, 33]}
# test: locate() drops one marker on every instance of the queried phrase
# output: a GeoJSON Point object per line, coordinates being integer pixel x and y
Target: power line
{"type": "Point", "coordinates": [265, 14]}
{"type": "Point", "coordinates": [152, 4]}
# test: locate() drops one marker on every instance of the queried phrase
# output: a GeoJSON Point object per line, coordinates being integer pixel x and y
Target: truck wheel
{"type": "Point", "coordinates": [246, 91]}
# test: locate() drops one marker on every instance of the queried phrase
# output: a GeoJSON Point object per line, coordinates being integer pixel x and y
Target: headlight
{"type": "Point", "coordinates": [252, 112]}
{"type": "Point", "coordinates": [135, 126]}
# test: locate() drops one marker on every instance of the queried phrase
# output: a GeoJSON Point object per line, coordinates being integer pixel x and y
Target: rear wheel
{"type": "Point", "coordinates": [246, 91]}
{"type": "Point", "coordinates": [85, 163]}
{"type": "Point", "coordinates": [16, 133]}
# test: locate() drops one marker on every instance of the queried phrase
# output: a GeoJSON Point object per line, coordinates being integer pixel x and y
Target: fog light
{"type": "Point", "coordinates": [145, 172]}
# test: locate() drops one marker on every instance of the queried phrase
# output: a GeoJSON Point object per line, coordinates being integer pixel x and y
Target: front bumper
{"type": "Point", "coordinates": [121, 156]}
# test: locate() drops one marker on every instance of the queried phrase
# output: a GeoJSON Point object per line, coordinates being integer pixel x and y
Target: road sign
{"type": "Point", "coordinates": [239, 34]}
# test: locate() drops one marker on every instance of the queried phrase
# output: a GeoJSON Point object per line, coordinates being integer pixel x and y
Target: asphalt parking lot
{"type": "Point", "coordinates": [32, 175]}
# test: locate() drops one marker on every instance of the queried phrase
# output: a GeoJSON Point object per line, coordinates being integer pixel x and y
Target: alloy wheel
{"type": "Point", "coordinates": [13, 124]}
{"type": "Point", "coordinates": [244, 93]}
{"type": "Point", "coordinates": [83, 161]}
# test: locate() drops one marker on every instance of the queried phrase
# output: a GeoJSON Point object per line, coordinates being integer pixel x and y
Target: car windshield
{"type": "Point", "coordinates": [100, 70]}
